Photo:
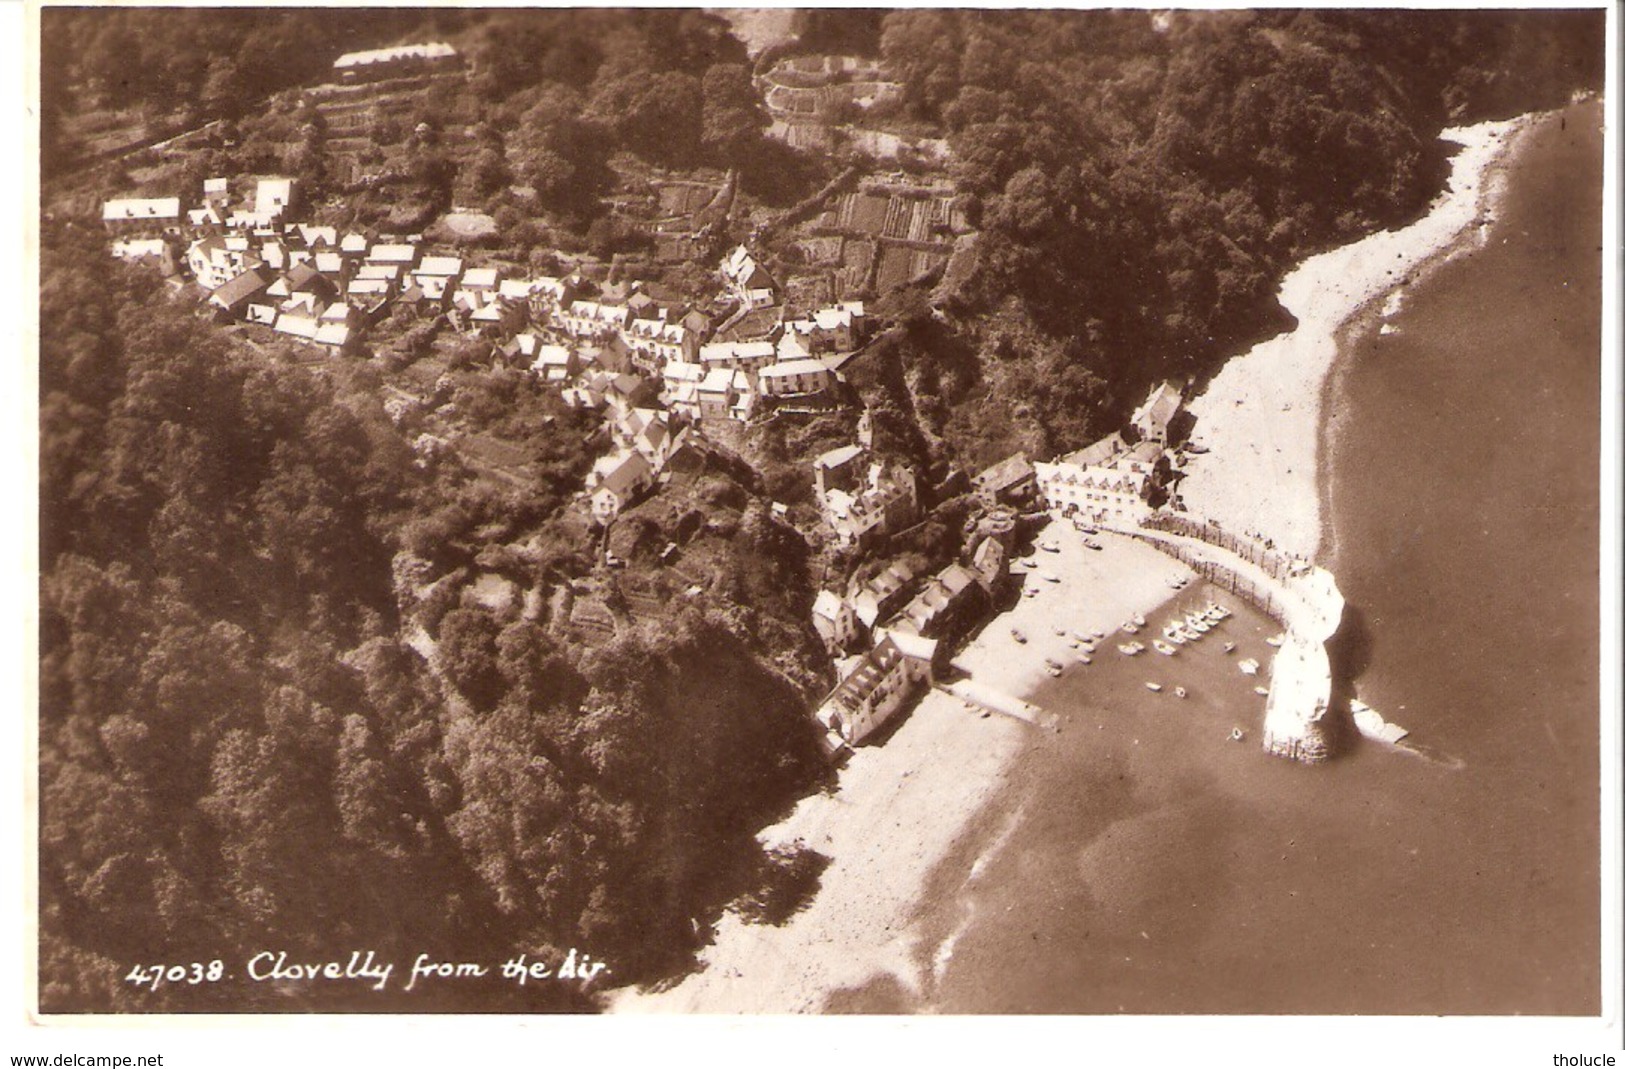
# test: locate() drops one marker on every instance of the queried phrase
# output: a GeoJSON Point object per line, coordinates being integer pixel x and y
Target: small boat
{"type": "Point", "coordinates": [1163, 648]}
{"type": "Point", "coordinates": [1179, 692]}
{"type": "Point", "coordinates": [1172, 635]}
{"type": "Point", "coordinates": [1049, 547]}
{"type": "Point", "coordinates": [1153, 687]}
{"type": "Point", "coordinates": [1236, 734]}
{"type": "Point", "coordinates": [1139, 647]}
{"type": "Point", "coordinates": [1248, 667]}
{"type": "Point", "coordinates": [1029, 592]}
{"type": "Point", "coordinates": [1053, 670]}
{"type": "Point", "coordinates": [1130, 629]}
{"type": "Point", "coordinates": [1092, 544]}
{"type": "Point", "coordinates": [1050, 662]}
{"type": "Point", "coordinates": [1060, 632]}
{"type": "Point", "coordinates": [1176, 582]}
{"type": "Point", "coordinates": [1229, 647]}
{"type": "Point", "coordinates": [1265, 691]}
{"type": "Point", "coordinates": [1198, 625]}
{"type": "Point", "coordinates": [1082, 636]}
{"type": "Point", "coordinates": [1017, 634]}
{"type": "Point", "coordinates": [1128, 649]}
{"type": "Point", "coordinates": [1089, 529]}
{"type": "Point", "coordinates": [1098, 635]}
{"type": "Point", "coordinates": [1139, 621]}
{"type": "Point", "coordinates": [1084, 658]}
{"type": "Point", "coordinates": [1049, 577]}
{"type": "Point", "coordinates": [1275, 640]}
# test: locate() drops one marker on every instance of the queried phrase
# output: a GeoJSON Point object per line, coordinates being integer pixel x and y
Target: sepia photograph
{"type": "Point", "coordinates": [975, 512]}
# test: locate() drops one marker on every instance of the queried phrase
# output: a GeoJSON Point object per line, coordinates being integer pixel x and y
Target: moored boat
{"type": "Point", "coordinates": [1179, 692]}
{"type": "Point", "coordinates": [1154, 687]}
{"type": "Point", "coordinates": [1248, 667]}
{"type": "Point", "coordinates": [1017, 634]}
{"type": "Point", "coordinates": [1127, 649]}
{"type": "Point", "coordinates": [1163, 648]}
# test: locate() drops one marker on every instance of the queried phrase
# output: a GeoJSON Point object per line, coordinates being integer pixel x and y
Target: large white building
{"type": "Point", "coordinates": [1108, 483]}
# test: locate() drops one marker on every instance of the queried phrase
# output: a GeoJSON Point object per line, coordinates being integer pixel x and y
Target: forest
{"type": "Point", "coordinates": [240, 747]}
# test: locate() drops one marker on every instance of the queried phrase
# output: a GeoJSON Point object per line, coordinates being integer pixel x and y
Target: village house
{"type": "Point", "coordinates": [233, 297]}
{"type": "Point", "coordinates": [897, 669]}
{"type": "Point", "coordinates": [436, 275]}
{"type": "Point", "coordinates": [273, 197]}
{"type": "Point", "coordinates": [1153, 418]}
{"type": "Point", "coordinates": [876, 599]}
{"type": "Point", "coordinates": [135, 214]}
{"type": "Point", "coordinates": [206, 216]}
{"type": "Point", "coordinates": [793, 377]}
{"type": "Point", "coordinates": [1107, 483]}
{"type": "Point", "coordinates": [139, 248]}
{"type": "Point", "coordinates": [216, 260]}
{"type": "Point", "coordinates": [397, 62]}
{"type": "Point", "coordinates": [835, 329]}
{"type": "Point", "coordinates": [680, 388]}
{"type": "Point", "coordinates": [838, 469]}
{"type": "Point", "coordinates": [402, 257]}
{"type": "Point", "coordinates": [646, 431]}
{"type": "Point", "coordinates": [301, 326]}
{"type": "Point", "coordinates": [1012, 481]}
{"type": "Point", "coordinates": [715, 393]}
{"type": "Point", "coordinates": [991, 561]}
{"type": "Point", "coordinates": [587, 319]}
{"type": "Point", "coordinates": [615, 482]}
{"type": "Point", "coordinates": [553, 364]}
{"type": "Point", "coordinates": [749, 357]}
{"type": "Point", "coordinates": [949, 605]}
{"type": "Point", "coordinates": [835, 621]}
{"type": "Point", "coordinates": [887, 502]}
{"type": "Point", "coordinates": [747, 281]}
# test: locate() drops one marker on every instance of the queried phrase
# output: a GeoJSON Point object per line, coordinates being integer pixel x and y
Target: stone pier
{"type": "Point", "coordinates": [1303, 597]}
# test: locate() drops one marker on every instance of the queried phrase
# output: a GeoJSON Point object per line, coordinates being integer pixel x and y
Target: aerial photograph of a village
{"type": "Point", "coordinates": [829, 511]}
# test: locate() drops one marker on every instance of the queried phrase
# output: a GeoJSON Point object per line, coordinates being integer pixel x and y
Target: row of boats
{"type": "Point", "coordinates": [1188, 628]}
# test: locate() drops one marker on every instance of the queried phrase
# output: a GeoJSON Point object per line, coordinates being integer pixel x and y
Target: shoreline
{"type": "Point", "coordinates": [1492, 192]}
{"type": "Point", "coordinates": [1262, 416]}
{"type": "Point", "coordinates": [903, 809]}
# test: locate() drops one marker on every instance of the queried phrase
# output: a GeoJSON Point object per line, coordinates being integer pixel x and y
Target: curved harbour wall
{"type": "Point", "coordinates": [1303, 597]}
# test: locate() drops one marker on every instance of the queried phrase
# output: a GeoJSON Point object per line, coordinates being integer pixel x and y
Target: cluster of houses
{"type": "Point", "coordinates": [912, 621]}
{"type": "Point", "coordinates": [1111, 482]}
{"type": "Point", "coordinates": [619, 350]}
{"type": "Point", "coordinates": [912, 624]}
{"type": "Point", "coordinates": [862, 498]}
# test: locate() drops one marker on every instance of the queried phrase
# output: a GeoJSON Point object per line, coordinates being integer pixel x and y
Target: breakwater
{"type": "Point", "coordinates": [1302, 597]}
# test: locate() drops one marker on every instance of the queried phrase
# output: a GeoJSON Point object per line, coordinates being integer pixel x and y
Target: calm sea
{"type": "Point", "coordinates": [1143, 863]}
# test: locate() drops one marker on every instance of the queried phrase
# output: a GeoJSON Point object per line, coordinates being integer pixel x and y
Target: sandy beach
{"type": "Point", "coordinates": [1260, 417]}
{"type": "Point", "coordinates": [900, 808]}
